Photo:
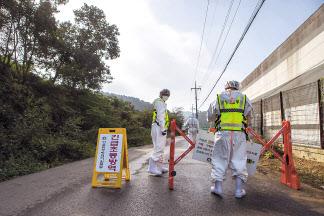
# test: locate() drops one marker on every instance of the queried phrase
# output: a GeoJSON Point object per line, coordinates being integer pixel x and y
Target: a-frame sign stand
{"type": "Point", "coordinates": [111, 164]}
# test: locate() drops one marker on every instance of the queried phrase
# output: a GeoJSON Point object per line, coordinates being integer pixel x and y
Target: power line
{"type": "Point", "coordinates": [213, 16]}
{"type": "Point", "coordinates": [227, 33]}
{"type": "Point", "coordinates": [220, 36]}
{"type": "Point", "coordinates": [254, 14]}
{"type": "Point", "coordinates": [222, 32]}
{"type": "Point", "coordinates": [201, 41]}
{"type": "Point", "coordinates": [252, 18]}
{"type": "Point", "coordinates": [207, 75]}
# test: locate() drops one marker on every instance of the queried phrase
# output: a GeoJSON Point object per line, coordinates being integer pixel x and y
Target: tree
{"type": "Point", "coordinates": [177, 114]}
{"type": "Point", "coordinates": [26, 31]}
{"type": "Point", "coordinates": [41, 124]}
{"type": "Point", "coordinates": [78, 59]}
{"type": "Point", "coordinates": [72, 54]}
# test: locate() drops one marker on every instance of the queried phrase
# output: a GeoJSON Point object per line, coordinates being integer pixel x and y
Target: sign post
{"type": "Point", "coordinates": [111, 161]}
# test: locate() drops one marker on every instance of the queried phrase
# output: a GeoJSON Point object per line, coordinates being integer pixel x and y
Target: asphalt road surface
{"type": "Point", "coordinates": [66, 190]}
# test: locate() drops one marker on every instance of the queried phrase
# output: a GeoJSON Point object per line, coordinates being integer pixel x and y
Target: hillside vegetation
{"type": "Point", "coordinates": [137, 103]}
{"type": "Point", "coordinates": [51, 74]}
{"type": "Point", "coordinates": [42, 125]}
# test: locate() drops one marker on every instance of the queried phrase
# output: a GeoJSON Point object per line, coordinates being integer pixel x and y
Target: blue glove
{"type": "Point", "coordinates": [164, 132]}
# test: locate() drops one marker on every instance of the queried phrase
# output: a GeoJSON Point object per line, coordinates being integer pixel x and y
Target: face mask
{"type": "Point", "coordinates": [165, 98]}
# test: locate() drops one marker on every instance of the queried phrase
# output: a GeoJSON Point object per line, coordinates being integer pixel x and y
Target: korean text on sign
{"type": "Point", "coordinates": [109, 153]}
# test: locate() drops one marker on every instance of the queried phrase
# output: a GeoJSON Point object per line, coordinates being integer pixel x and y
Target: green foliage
{"type": "Point", "coordinates": [268, 155]}
{"type": "Point", "coordinates": [136, 102]}
{"type": "Point", "coordinates": [22, 165]}
{"type": "Point", "coordinates": [72, 54]}
{"type": "Point", "coordinates": [78, 57]}
{"type": "Point", "coordinates": [27, 31]}
{"type": "Point", "coordinates": [177, 114]}
{"type": "Point", "coordinates": [47, 122]}
{"type": "Point", "coordinates": [277, 148]}
{"type": "Point", "coordinates": [42, 125]}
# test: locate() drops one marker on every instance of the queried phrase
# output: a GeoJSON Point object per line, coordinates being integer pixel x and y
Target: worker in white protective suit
{"type": "Point", "coordinates": [231, 113]}
{"type": "Point", "coordinates": [192, 124]}
{"type": "Point", "coordinates": [159, 129]}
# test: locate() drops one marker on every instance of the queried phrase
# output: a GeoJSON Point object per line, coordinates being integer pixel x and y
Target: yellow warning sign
{"type": "Point", "coordinates": [111, 161]}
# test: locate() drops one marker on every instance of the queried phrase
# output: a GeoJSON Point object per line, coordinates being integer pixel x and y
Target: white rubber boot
{"type": "Point", "coordinates": [165, 169]}
{"type": "Point", "coordinates": [153, 168]}
{"type": "Point", "coordinates": [217, 189]}
{"type": "Point", "coordinates": [161, 168]}
{"type": "Point", "coordinates": [239, 191]}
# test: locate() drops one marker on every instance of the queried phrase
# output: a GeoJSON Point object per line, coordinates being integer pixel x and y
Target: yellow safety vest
{"type": "Point", "coordinates": [231, 114]}
{"type": "Point", "coordinates": [166, 118]}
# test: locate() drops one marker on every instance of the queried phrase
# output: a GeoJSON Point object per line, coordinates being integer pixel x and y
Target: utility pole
{"type": "Point", "coordinates": [192, 110]}
{"type": "Point", "coordinates": [196, 99]}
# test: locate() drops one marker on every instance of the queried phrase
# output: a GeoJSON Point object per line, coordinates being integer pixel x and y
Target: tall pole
{"type": "Point", "coordinates": [196, 99]}
{"type": "Point", "coordinates": [192, 110]}
{"type": "Point", "coordinates": [320, 111]}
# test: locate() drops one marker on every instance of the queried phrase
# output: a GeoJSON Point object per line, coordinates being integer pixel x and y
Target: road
{"type": "Point", "coordinates": [66, 190]}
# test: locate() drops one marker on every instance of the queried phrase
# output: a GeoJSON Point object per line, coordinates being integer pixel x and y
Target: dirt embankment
{"type": "Point", "coordinates": [310, 172]}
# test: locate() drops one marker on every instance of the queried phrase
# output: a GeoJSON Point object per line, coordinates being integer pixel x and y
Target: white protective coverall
{"type": "Point", "coordinates": [159, 140]}
{"type": "Point", "coordinates": [193, 127]}
{"type": "Point", "coordinates": [229, 146]}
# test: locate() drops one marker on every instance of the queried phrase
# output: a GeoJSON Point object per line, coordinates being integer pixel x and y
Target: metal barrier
{"type": "Point", "coordinates": [173, 162]}
{"type": "Point", "coordinates": [289, 175]}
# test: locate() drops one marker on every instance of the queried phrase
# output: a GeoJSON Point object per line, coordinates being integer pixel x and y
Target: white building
{"type": "Point", "coordinates": [294, 69]}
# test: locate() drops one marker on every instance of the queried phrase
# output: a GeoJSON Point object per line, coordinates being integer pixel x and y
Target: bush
{"type": "Point", "coordinates": [20, 165]}
{"type": "Point", "coordinates": [42, 125]}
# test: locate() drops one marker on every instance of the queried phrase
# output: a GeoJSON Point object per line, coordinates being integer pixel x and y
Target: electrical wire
{"type": "Point", "coordinates": [201, 41]}
{"type": "Point", "coordinates": [252, 18]}
{"type": "Point", "coordinates": [227, 33]}
{"type": "Point", "coordinates": [220, 36]}
{"type": "Point", "coordinates": [212, 21]}
{"type": "Point", "coordinates": [207, 75]}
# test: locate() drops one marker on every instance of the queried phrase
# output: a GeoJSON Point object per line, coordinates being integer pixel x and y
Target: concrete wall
{"type": "Point", "coordinates": [301, 52]}
{"type": "Point", "coordinates": [296, 62]}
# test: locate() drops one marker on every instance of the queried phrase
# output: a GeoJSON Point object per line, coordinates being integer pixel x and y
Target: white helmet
{"type": "Point", "coordinates": [232, 85]}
